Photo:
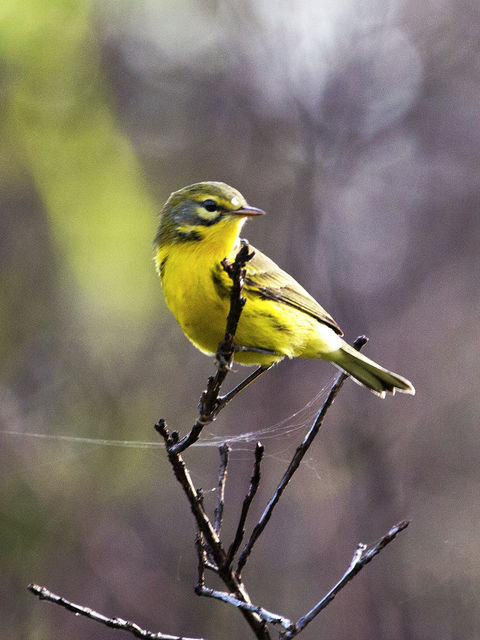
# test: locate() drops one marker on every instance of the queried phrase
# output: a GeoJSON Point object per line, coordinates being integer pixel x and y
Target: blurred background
{"type": "Point", "coordinates": [356, 126]}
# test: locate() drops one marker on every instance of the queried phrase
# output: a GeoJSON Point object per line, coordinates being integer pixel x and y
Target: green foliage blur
{"type": "Point", "coordinates": [356, 127]}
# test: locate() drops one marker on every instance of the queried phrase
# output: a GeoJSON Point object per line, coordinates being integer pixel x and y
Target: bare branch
{"type": "Point", "coordinates": [295, 462]}
{"type": "Point", "coordinates": [252, 490]}
{"type": "Point", "coordinates": [114, 623]}
{"type": "Point", "coordinates": [210, 536]}
{"type": "Point", "coordinates": [209, 406]}
{"type": "Point", "coordinates": [224, 450]}
{"type": "Point", "coordinates": [267, 616]}
{"type": "Point", "coordinates": [202, 561]}
{"type": "Point", "coordinates": [194, 497]}
{"type": "Point", "coordinates": [362, 556]}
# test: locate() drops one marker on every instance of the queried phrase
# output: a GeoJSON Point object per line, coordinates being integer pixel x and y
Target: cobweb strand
{"type": "Point", "coordinates": [293, 423]}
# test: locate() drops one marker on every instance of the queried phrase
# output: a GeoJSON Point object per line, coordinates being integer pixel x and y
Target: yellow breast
{"type": "Point", "coordinates": [188, 278]}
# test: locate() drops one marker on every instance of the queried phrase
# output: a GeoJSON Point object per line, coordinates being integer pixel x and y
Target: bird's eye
{"type": "Point", "coordinates": [210, 205]}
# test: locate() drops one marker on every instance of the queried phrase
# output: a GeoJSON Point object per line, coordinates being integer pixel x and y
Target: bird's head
{"type": "Point", "coordinates": [201, 210]}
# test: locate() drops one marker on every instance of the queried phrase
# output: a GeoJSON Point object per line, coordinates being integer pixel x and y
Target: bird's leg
{"type": "Point", "coordinates": [222, 362]}
{"type": "Point", "coordinates": [223, 400]}
{"type": "Point", "coordinates": [240, 347]}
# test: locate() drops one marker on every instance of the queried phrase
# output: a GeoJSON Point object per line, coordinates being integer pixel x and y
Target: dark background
{"type": "Point", "coordinates": [356, 125]}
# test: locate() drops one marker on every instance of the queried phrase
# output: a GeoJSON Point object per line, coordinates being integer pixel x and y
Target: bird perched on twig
{"type": "Point", "coordinates": [199, 227]}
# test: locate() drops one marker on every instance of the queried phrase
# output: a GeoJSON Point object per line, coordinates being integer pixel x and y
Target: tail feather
{"type": "Point", "coordinates": [368, 373]}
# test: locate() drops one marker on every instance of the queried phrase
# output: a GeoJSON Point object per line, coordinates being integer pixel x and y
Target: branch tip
{"type": "Point", "coordinates": [113, 623]}
{"type": "Point", "coordinates": [361, 557]}
{"type": "Point", "coordinates": [259, 449]}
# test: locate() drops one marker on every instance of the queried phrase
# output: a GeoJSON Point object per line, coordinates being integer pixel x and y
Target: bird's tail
{"type": "Point", "coordinates": [368, 373]}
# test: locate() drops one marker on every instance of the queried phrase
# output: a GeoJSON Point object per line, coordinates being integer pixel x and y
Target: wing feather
{"type": "Point", "coordinates": [266, 279]}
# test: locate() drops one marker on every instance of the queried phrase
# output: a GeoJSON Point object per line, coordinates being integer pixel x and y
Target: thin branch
{"type": "Point", "coordinates": [265, 615]}
{"type": "Point", "coordinates": [236, 272]}
{"type": "Point", "coordinates": [224, 450]}
{"type": "Point", "coordinates": [209, 560]}
{"type": "Point", "coordinates": [202, 561]}
{"type": "Point", "coordinates": [295, 462]}
{"type": "Point", "coordinates": [194, 497]}
{"type": "Point", "coordinates": [114, 623]}
{"type": "Point", "coordinates": [252, 490]}
{"type": "Point", "coordinates": [362, 556]}
{"type": "Point", "coordinates": [228, 397]}
{"type": "Point", "coordinates": [209, 406]}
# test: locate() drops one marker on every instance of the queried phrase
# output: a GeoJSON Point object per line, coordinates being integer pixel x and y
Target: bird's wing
{"type": "Point", "coordinates": [266, 279]}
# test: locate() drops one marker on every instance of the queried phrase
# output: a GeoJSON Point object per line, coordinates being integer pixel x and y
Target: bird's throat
{"type": "Point", "coordinates": [201, 245]}
{"type": "Point", "coordinates": [221, 240]}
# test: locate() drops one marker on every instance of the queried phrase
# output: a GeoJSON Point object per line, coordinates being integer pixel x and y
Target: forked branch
{"type": "Point", "coordinates": [209, 538]}
{"type": "Point", "coordinates": [295, 462]}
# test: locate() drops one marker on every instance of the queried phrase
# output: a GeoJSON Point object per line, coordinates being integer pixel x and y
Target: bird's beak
{"type": "Point", "coordinates": [248, 211]}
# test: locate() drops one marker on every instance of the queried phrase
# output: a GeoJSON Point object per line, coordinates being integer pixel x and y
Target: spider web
{"type": "Point", "coordinates": [297, 421]}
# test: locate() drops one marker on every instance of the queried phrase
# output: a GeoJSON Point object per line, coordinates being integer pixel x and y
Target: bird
{"type": "Point", "coordinates": [199, 227]}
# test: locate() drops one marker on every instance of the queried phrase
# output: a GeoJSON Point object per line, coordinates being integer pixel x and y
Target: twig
{"type": "Point", "coordinates": [224, 450]}
{"type": "Point", "coordinates": [206, 562]}
{"type": "Point", "coordinates": [222, 401]}
{"type": "Point", "coordinates": [194, 497]}
{"type": "Point", "coordinates": [202, 590]}
{"type": "Point", "coordinates": [295, 462]}
{"type": "Point", "coordinates": [236, 272]}
{"type": "Point", "coordinates": [252, 490]}
{"type": "Point", "coordinates": [265, 615]}
{"type": "Point", "coordinates": [209, 560]}
{"type": "Point", "coordinates": [362, 556]}
{"type": "Point", "coordinates": [202, 560]}
{"type": "Point", "coordinates": [115, 623]}
{"type": "Point", "coordinates": [209, 407]}
{"type": "Point", "coordinates": [210, 536]}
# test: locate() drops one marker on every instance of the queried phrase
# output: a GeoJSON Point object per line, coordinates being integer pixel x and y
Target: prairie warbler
{"type": "Point", "coordinates": [199, 227]}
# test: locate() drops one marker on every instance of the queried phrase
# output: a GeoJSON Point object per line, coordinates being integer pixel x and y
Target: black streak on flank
{"type": "Point", "coordinates": [220, 288]}
{"type": "Point", "coordinates": [162, 267]}
{"type": "Point", "coordinates": [277, 325]}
